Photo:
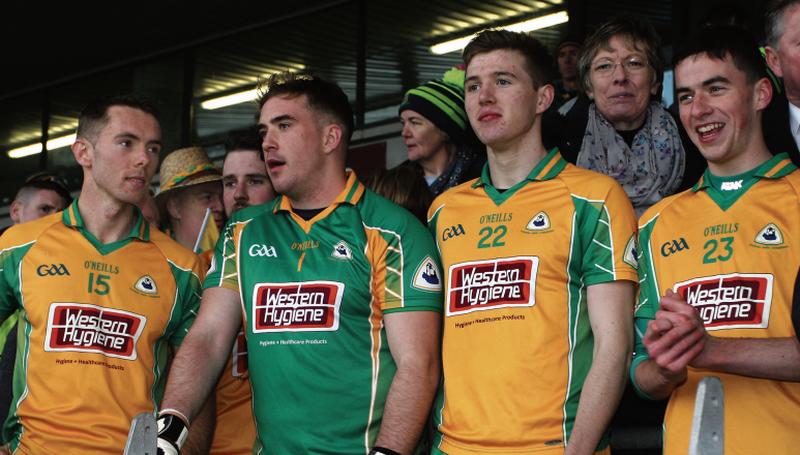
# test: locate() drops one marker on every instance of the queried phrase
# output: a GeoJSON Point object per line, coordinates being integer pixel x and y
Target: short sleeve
{"type": "Point", "coordinates": [606, 230]}
{"type": "Point", "coordinates": [646, 302]}
{"type": "Point", "coordinates": [406, 270]}
{"type": "Point", "coordinates": [222, 271]}
{"type": "Point", "coordinates": [187, 298]}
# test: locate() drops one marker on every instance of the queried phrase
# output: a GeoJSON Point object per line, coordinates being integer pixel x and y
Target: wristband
{"type": "Point", "coordinates": [172, 430]}
{"type": "Point", "coordinates": [382, 451]}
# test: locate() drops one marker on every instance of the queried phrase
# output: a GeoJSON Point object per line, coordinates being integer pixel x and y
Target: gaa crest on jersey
{"type": "Point", "coordinates": [490, 284]}
{"type": "Point", "coordinates": [540, 223]}
{"type": "Point", "coordinates": [77, 327]}
{"type": "Point", "coordinates": [146, 285]}
{"type": "Point", "coordinates": [733, 301]}
{"type": "Point", "coordinates": [308, 306]}
{"type": "Point", "coordinates": [342, 251]}
{"type": "Point", "coordinates": [769, 235]}
{"type": "Point", "coordinates": [427, 276]}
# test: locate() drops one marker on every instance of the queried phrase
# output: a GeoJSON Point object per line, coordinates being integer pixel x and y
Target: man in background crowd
{"type": "Point", "coordinates": [244, 183]}
{"type": "Point", "coordinates": [40, 195]}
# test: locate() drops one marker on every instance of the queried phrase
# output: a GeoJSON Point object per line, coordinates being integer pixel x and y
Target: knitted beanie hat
{"type": "Point", "coordinates": [441, 102]}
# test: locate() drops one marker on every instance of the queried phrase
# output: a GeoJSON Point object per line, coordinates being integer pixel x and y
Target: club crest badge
{"type": "Point", "coordinates": [538, 224]}
{"type": "Point", "coordinates": [146, 285]}
{"type": "Point", "coordinates": [769, 235]}
{"type": "Point", "coordinates": [631, 253]}
{"type": "Point", "coordinates": [342, 251]}
{"type": "Point", "coordinates": [427, 277]}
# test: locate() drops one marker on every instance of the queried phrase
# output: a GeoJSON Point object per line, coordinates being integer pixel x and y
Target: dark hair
{"type": "Point", "coordinates": [639, 32]}
{"type": "Point", "coordinates": [773, 23]}
{"type": "Point", "coordinates": [44, 181]}
{"type": "Point", "coordinates": [324, 97]}
{"type": "Point", "coordinates": [94, 116]}
{"type": "Point", "coordinates": [722, 41]}
{"type": "Point", "coordinates": [247, 139]}
{"type": "Point", "coordinates": [538, 61]}
{"type": "Point", "coordinates": [404, 185]}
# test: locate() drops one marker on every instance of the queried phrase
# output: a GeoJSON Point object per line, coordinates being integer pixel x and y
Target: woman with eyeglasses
{"type": "Point", "coordinates": [620, 127]}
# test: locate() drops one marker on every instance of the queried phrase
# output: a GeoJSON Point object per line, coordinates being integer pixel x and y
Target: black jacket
{"type": "Point", "coordinates": [777, 133]}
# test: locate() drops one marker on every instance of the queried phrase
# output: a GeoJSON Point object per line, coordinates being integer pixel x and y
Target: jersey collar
{"type": "Point", "coordinates": [774, 168]}
{"type": "Point", "coordinates": [352, 193]}
{"type": "Point", "coordinates": [72, 218]}
{"type": "Point", "coordinates": [549, 167]}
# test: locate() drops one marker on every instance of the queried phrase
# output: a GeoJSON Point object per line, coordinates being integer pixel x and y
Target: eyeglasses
{"type": "Point", "coordinates": [605, 67]}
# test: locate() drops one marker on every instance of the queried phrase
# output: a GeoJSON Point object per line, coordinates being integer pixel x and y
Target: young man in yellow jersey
{"type": "Point", "coordinates": [102, 296]}
{"type": "Point", "coordinates": [718, 261]}
{"type": "Point", "coordinates": [539, 292]}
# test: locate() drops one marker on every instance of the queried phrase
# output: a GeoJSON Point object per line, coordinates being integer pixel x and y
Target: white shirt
{"type": "Point", "coordinates": [794, 123]}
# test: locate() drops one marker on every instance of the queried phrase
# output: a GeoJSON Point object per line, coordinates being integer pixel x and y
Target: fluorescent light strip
{"type": "Point", "coordinates": [230, 100]}
{"type": "Point", "coordinates": [526, 26]}
{"type": "Point", "coordinates": [33, 149]}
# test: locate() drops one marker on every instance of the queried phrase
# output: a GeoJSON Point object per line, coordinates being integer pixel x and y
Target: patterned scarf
{"type": "Point", "coordinates": [650, 169]}
{"type": "Point", "coordinates": [455, 173]}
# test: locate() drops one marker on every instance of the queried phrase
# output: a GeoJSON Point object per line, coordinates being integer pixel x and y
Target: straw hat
{"type": "Point", "coordinates": [184, 168]}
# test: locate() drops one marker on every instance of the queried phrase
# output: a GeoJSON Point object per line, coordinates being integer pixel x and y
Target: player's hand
{"type": "Point", "coordinates": [172, 433]}
{"type": "Point", "coordinates": [673, 304]}
{"type": "Point", "coordinates": [675, 337]}
{"type": "Point", "coordinates": [5, 449]}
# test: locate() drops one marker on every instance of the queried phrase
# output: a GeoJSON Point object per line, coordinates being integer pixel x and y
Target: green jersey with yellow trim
{"type": "Point", "coordinates": [314, 294]}
{"type": "Point", "coordinates": [96, 325]}
{"type": "Point", "coordinates": [517, 341]}
{"type": "Point", "coordinates": [730, 248]}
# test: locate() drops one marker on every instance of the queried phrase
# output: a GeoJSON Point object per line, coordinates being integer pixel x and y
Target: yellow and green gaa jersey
{"type": "Point", "coordinates": [96, 326]}
{"type": "Point", "coordinates": [731, 251]}
{"type": "Point", "coordinates": [313, 295]}
{"type": "Point", "coordinates": [517, 340]}
{"type": "Point", "coordinates": [235, 431]}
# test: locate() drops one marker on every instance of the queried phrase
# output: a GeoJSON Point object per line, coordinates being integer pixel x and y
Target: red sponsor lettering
{"type": "Point", "coordinates": [94, 329]}
{"type": "Point", "coordinates": [239, 356]}
{"type": "Point", "coordinates": [485, 285]}
{"type": "Point", "coordinates": [730, 301]}
{"type": "Point", "coordinates": [297, 307]}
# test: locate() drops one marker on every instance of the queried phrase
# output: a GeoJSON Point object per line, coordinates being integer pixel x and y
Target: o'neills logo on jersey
{"type": "Point", "coordinates": [89, 328]}
{"type": "Point", "coordinates": [734, 301]}
{"type": "Point", "coordinates": [310, 306]}
{"type": "Point", "coordinates": [497, 283]}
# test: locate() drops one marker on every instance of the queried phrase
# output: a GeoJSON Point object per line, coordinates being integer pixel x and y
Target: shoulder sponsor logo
{"type": "Point", "coordinates": [52, 270]}
{"type": "Point", "coordinates": [631, 255]}
{"type": "Point", "coordinates": [427, 276]}
{"type": "Point", "coordinates": [769, 235]}
{"type": "Point", "coordinates": [539, 223]}
{"type": "Point", "coordinates": [490, 284]}
{"type": "Point", "coordinates": [101, 267]}
{"type": "Point", "coordinates": [309, 306]}
{"type": "Point", "coordinates": [673, 247]}
{"type": "Point", "coordinates": [731, 186]}
{"type": "Point", "coordinates": [261, 250]}
{"type": "Point", "coordinates": [93, 329]}
{"type": "Point", "coordinates": [342, 251]}
{"type": "Point", "coordinates": [734, 301]}
{"type": "Point", "coordinates": [146, 285]}
{"type": "Point", "coordinates": [452, 231]}
{"type": "Point", "coordinates": [305, 245]}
